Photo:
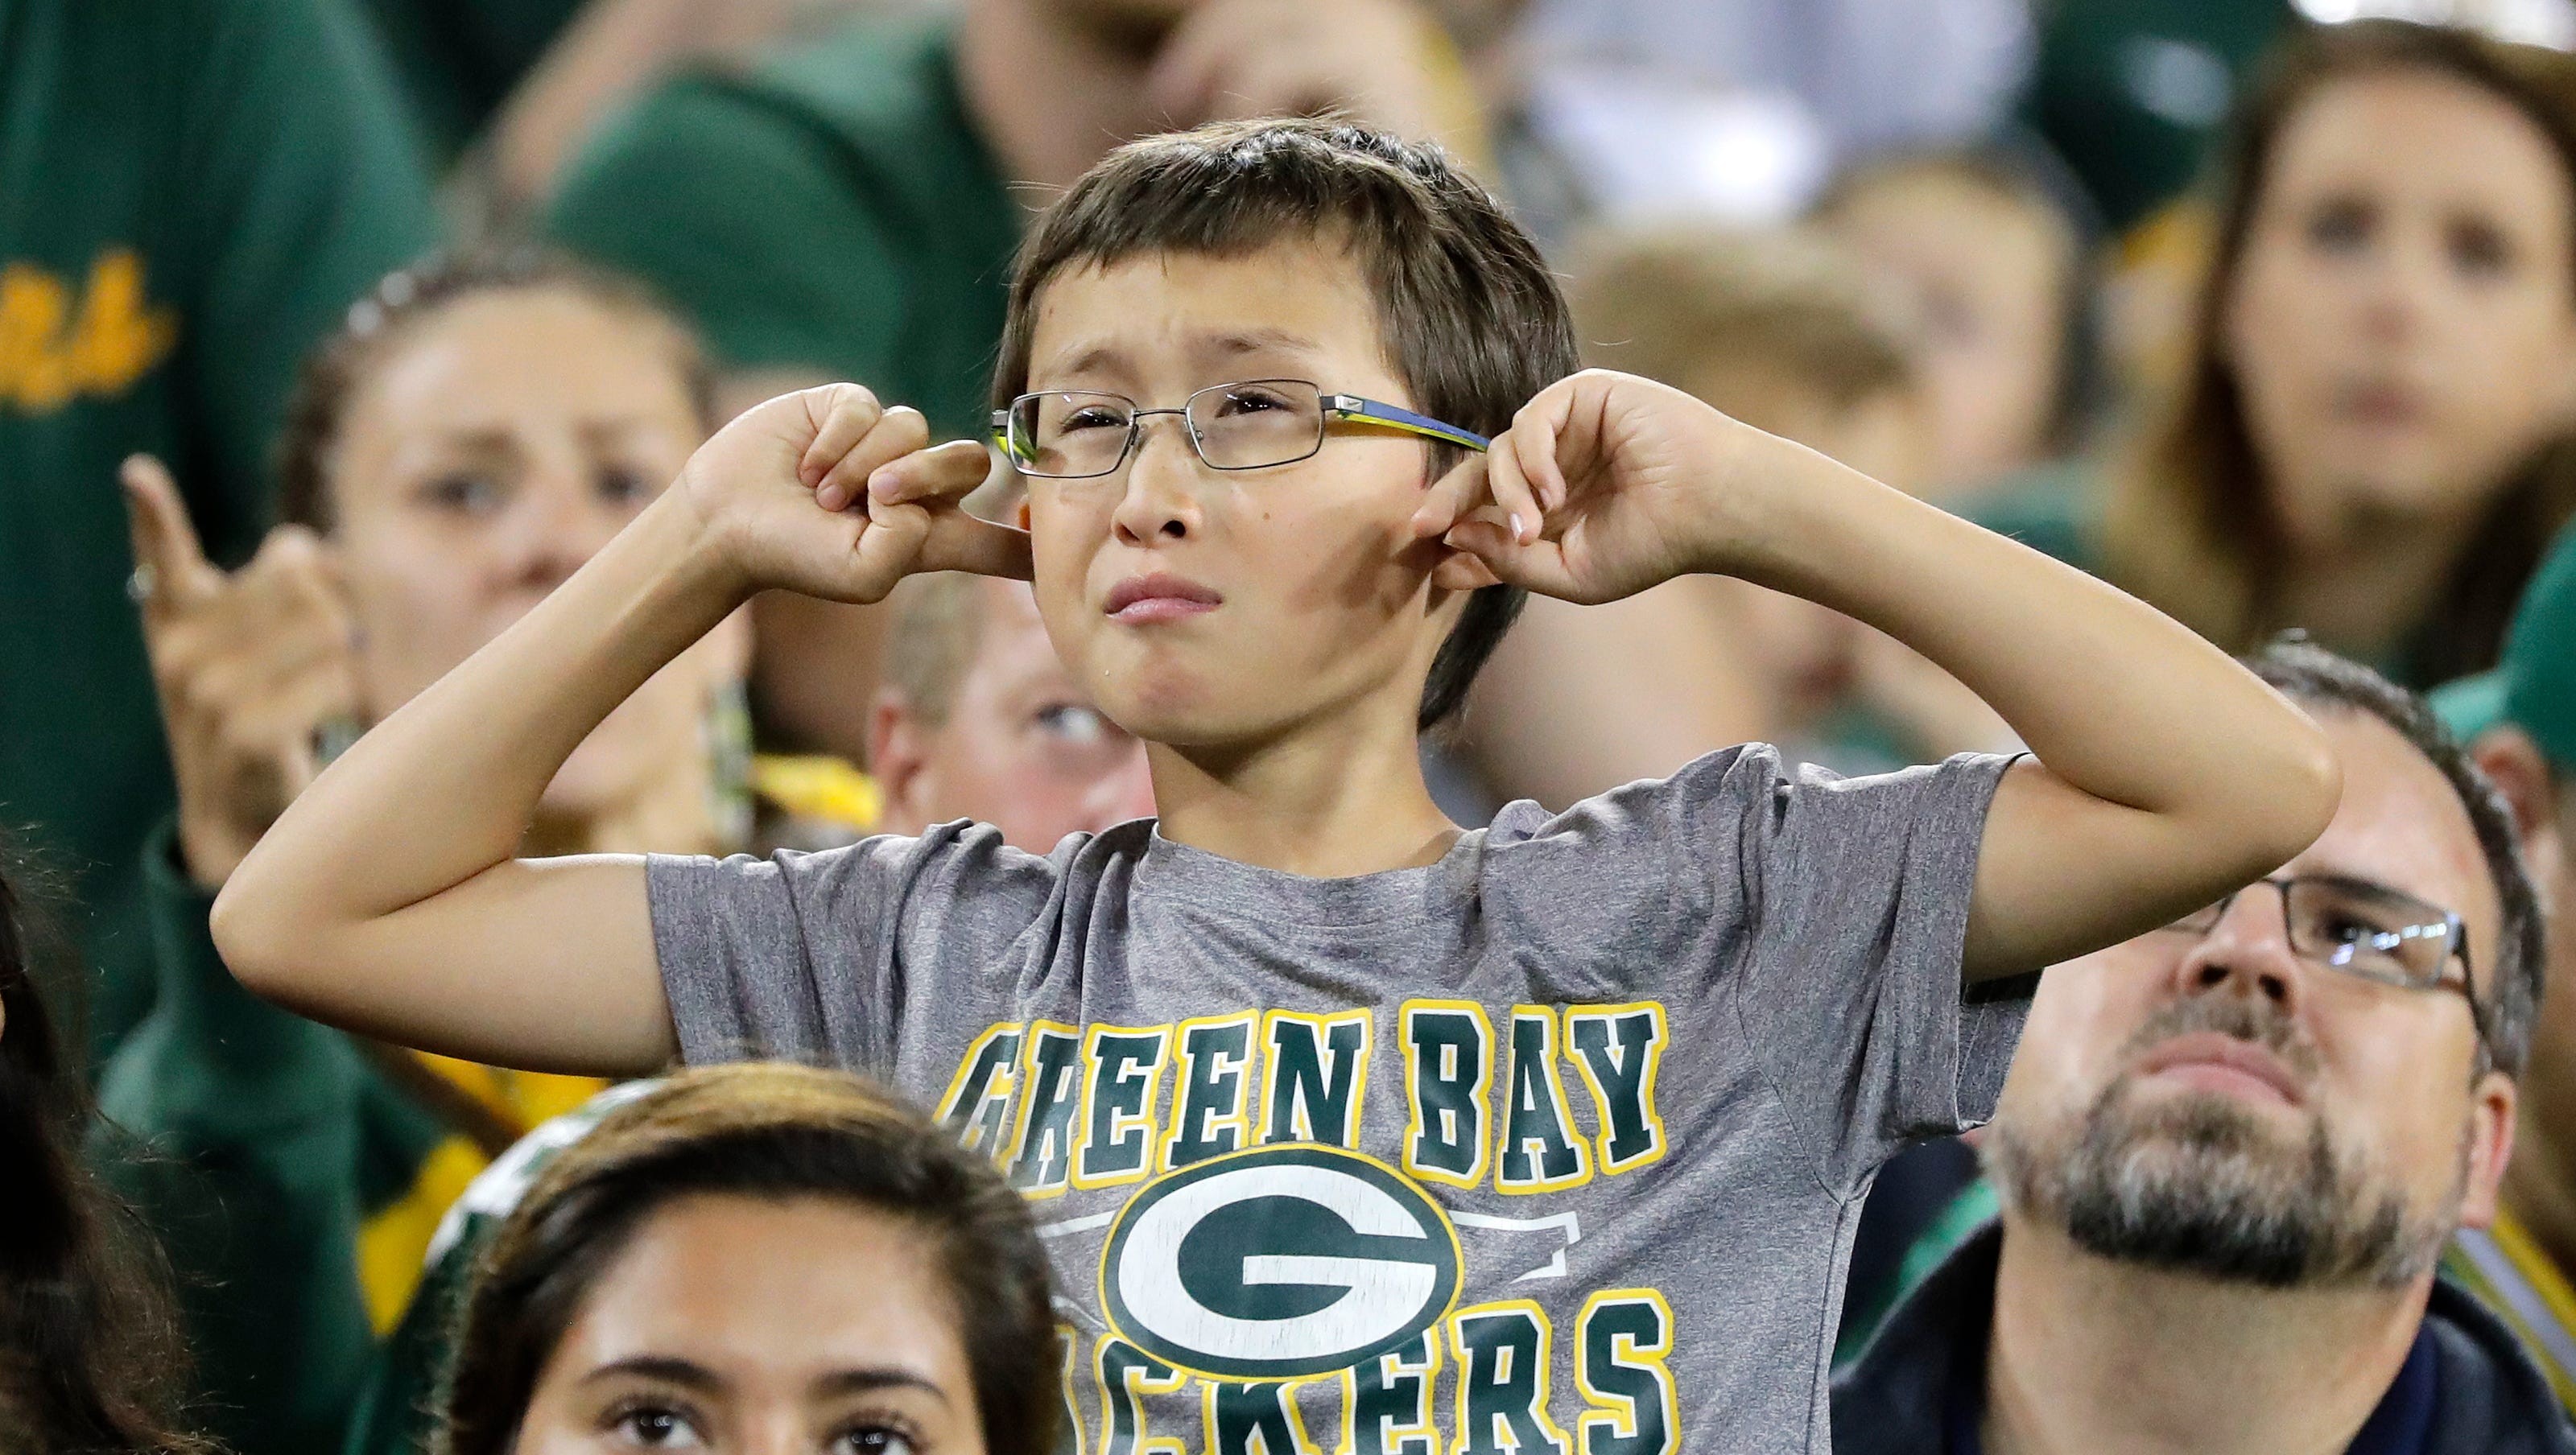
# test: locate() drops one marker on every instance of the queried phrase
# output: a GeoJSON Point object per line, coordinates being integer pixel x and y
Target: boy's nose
{"type": "Point", "coordinates": [1161, 500]}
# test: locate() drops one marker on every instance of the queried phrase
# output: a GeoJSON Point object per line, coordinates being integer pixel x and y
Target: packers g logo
{"type": "Point", "coordinates": [1277, 1263]}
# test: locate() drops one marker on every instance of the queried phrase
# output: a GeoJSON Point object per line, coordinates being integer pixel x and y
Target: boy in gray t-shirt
{"type": "Point", "coordinates": [1348, 1129]}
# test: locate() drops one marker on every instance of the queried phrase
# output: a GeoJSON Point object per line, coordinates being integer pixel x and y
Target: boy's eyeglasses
{"type": "Point", "coordinates": [1248, 425]}
{"type": "Point", "coordinates": [2363, 929]}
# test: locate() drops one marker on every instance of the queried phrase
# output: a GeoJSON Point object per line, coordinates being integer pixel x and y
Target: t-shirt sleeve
{"type": "Point", "coordinates": [741, 214]}
{"type": "Point", "coordinates": [809, 957]}
{"type": "Point", "coordinates": [304, 184]}
{"type": "Point", "coordinates": [1847, 985]}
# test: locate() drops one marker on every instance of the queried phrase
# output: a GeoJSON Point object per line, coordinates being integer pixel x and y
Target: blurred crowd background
{"type": "Point", "coordinates": [2265, 311]}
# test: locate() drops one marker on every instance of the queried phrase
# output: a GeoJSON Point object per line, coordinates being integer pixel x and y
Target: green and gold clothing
{"type": "Point", "coordinates": [191, 191]}
{"type": "Point", "coordinates": [298, 1175]}
{"type": "Point", "coordinates": [830, 211]}
{"type": "Point", "coordinates": [295, 1174]}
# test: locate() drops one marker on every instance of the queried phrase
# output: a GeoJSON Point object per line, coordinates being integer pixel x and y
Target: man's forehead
{"type": "Point", "coordinates": [2400, 824]}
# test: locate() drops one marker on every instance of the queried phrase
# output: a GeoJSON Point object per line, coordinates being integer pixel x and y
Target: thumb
{"type": "Point", "coordinates": [165, 542]}
{"type": "Point", "coordinates": [961, 542]}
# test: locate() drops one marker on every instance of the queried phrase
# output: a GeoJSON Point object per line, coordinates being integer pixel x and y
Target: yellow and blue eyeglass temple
{"type": "Point", "coordinates": [1341, 406]}
{"type": "Point", "coordinates": [1351, 406]}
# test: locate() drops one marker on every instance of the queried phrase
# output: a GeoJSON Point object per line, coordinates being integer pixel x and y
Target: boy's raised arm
{"type": "Point", "coordinates": [388, 898]}
{"type": "Point", "coordinates": [2165, 774]}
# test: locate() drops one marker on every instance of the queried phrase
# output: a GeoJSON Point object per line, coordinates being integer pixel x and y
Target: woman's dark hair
{"type": "Point", "coordinates": [773, 1132]}
{"type": "Point", "coordinates": [90, 1354]}
{"type": "Point", "coordinates": [400, 303]}
{"type": "Point", "coordinates": [1468, 313]}
{"type": "Point", "coordinates": [2192, 525]}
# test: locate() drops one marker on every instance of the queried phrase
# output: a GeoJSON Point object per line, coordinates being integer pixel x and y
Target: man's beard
{"type": "Point", "coordinates": [2199, 1185]}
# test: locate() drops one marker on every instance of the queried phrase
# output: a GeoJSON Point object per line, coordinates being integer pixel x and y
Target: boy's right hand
{"type": "Point", "coordinates": [1604, 485]}
{"type": "Point", "coordinates": [828, 493]}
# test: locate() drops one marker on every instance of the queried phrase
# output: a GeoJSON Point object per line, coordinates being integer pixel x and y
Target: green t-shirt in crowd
{"type": "Point", "coordinates": [831, 210]}
{"type": "Point", "coordinates": [254, 1142]}
{"type": "Point", "coordinates": [458, 60]}
{"type": "Point", "coordinates": [294, 1177]}
{"type": "Point", "coordinates": [191, 191]}
{"type": "Point", "coordinates": [2131, 92]}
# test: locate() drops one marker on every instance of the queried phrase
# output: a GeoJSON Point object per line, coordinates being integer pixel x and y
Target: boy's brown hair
{"type": "Point", "coordinates": [1675, 301]}
{"type": "Point", "coordinates": [1468, 313]}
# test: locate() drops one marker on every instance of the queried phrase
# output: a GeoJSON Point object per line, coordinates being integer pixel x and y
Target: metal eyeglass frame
{"type": "Point", "coordinates": [2455, 932]}
{"type": "Point", "coordinates": [1349, 407]}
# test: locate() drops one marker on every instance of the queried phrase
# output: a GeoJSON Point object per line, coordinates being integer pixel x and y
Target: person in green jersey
{"type": "Point", "coordinates": [479, 428]}
{"type": "Point", "coordinates": [2370, 440]}
{"type": "Point", "coordinates": [847, 209]}
{"type": "Point", "coordinates": [2520, 724]}
{"type": "Point", "coordinates": [2133, 92]}
{"type": "Point", "coordinates": [191, 191]}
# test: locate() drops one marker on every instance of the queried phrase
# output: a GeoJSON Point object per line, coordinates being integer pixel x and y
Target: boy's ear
{"type": "Point", "coordinates": [1020, 513]}
{"type": "Point", "coordinates": [1463, 571]}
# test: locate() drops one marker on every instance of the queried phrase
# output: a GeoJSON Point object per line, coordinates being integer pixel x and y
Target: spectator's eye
{"type": "Point", "coordinates": [623, 487]}
{"type": "Point", "coordinates": [1094, 416]}
{"type": "Point", "coordinates": [2478, 250]}
{"type": "Point", "coordinates": [655, 1427]}
{"type": "Point", "coordinates": [2344, 225]}
{"type": "Point", "coordinates": [875, 1440]}
{"type": "Point", "coordinates": [1071, 722]}
{"type": "Point", "coordinates": [465, 493]}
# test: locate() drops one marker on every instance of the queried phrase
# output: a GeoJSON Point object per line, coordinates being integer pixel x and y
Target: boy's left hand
{"type": "Point", "coordinates": [1601, 488]}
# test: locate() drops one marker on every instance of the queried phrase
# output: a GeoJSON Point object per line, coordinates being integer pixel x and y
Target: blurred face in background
{"type": "Point", "coordinates": [732, 1325]}
{"type": "Point", "coordinates": [1988, 278]}
{"type": "Point", "coordinates": [1018, 745]}
{"type": "Point", "coordinates": [495, 447]}
{"type": "Point", "coordinates": [1809, 655]}
{"type": "Point", "coordinates": [2402, 324]}
{"type": "Point", "coordinates": [2213, 1102]}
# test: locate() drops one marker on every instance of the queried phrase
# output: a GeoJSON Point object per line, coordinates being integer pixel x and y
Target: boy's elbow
{"type": "Point", "coordinates": [247, 935]}
{"type": "Point", "coordinates": [2301, 789]}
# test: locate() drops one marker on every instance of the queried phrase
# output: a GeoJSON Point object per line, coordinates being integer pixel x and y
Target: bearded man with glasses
{"type": "Point", "coordinates": [2231, 1151]}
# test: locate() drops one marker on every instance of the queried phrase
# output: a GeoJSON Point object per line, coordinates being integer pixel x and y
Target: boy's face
{"type": "Point", "coordinates": [1272, 596]}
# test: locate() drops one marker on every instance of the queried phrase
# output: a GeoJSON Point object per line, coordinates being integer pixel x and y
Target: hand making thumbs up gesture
{"type": "Point", "coordinates": [250, 666]}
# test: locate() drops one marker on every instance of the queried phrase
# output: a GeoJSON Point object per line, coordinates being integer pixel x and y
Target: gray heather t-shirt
{"type": "Point", "coordinates": [1554, 1145]}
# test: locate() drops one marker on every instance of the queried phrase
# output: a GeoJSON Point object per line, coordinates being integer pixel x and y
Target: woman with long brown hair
{"type": "Point", "coordinates": [2372, 435]}
{"type": "Point", "coordinates": [89, 1357]}
{"type": "Point", "coordinates": [758, 1259]}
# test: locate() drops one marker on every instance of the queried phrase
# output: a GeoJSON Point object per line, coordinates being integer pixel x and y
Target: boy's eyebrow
{"type": "Point", "coordinates": [1263, 340]}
